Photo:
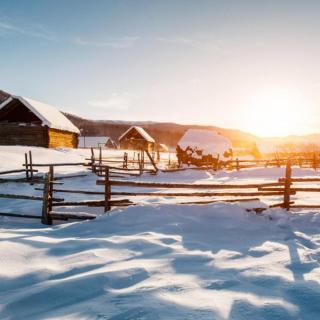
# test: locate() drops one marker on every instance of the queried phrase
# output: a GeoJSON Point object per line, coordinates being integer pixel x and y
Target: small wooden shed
{"type": "Point", "coordinates": [24, 121]}
{"type": "Point", "coordinates": [136, 138]}
{"type": "Point", "coordinates": [199, 146]}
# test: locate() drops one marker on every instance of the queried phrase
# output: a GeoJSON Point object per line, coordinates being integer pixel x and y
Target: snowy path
{"type": "Point", "coordinates": [164, 262]}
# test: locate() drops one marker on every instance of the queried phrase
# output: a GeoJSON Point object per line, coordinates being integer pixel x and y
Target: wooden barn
{"type": "Point", "coordinates": [24, 121]}
{"type": "Point", "coordinates": [136, 138]}
{"type": "Point", "coordinates": [96, 142]}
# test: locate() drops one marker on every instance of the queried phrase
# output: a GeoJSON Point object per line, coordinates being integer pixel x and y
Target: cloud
{"type": "Point", "coordinates": [116, 101]}
{"type": "Point", "coordinates": [198, 42]}
{"type": "Point", "coordinates": [116, 43]}
{"type": "Point", "coordinates": [34, 30]}
{"type": "Point", "coordinates": [176, 40]}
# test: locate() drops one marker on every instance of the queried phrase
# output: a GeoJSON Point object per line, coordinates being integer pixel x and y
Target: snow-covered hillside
{"type": "Point", "coordinates": [158, 260]}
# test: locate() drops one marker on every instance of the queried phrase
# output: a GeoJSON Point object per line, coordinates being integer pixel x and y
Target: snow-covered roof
{"type": "Point", "coordinates": [86, 141]}
{"type": "Point", "coordinates": [49, 115]}
{"type": "Point", "coordinates": [142, 132]}
{"type": "Point", "coordinates": [210, 142]}
{"type": "Point", "coordinates": [163, 146]}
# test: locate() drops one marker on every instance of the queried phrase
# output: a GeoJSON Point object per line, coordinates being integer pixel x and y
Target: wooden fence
{"type": "Point", "coordinates": [48, 201]}
{"type": "Point", "coordinates": [311, 161]}
{"type": "Point", "coordinates": [284, 187]}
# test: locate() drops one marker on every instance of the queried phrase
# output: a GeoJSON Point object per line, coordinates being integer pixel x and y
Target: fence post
{"type": "Point", "coordinates": [107, 190]}
{"type": "Point", "coordinates": [92, 161]}
{"type": "Point", "coordinates": [138, 155]}
{"type": "Point", "coordinates": [217, 164]}
{"type": "Point", "coordinates": [142, 158]}
{"type": "Point", "coordinates": [125, 160]}
{"type": "Point", "coordinates": [46, 218]}
{"type": "Point", "coordinates": [237, 164]}
{"type": "Point", "coordinates": [30, 165]}
{"type": "Point", "coordinates": [141, 164]}
{"type": "Point", "coordinates": [50, 193]}
{"type": "Point", "coordinates": [314, 161]}
{"type": "Point", "coordinates": [26, 165]}
{"type": "Point", "coordinates": [100, 160]}
{"type": "Point", "coordinates": [287, 186]}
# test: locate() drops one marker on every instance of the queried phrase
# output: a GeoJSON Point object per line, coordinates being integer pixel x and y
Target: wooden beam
{"type": "Point", "coordinates": [45, 217]}
{"type": "Point", "coordinates": [199, 194]}
{"type": "Point", "coordinates": [152, 161]}
{"type": "Point", "coordinates": [287, 186]}
{"type": "Point", "coordinates": [91, 203]}
{"type": "Point", "coordinates": [221, 200]}
{"type": "Point", "coordinates": [187, 185]}
{"type": "Point", "coordinates": [21, 180]}
{"type": "Point", "coordinates": [306, 206]}
{"type": "Point", "coordinates": [16, 171]}
{"type": "Point", "coordinates": [30, 165]}
{"type": "Point", "coordinates": [301, 179]}
{"type": "Point", "coordinates": [58, 164]}
{"type": "Point", "coordinates": [107, 191]}
{"type": "Point", "coordinates": [26, 165]}
{"type": "Point", "coordinates": [19, 215]}
{"type": "Point", "coordinates": [24, 197]}
{"type": "Point", "coordinates": [75, 191]}
{"type": "Point", "coordinates": [71, 215]}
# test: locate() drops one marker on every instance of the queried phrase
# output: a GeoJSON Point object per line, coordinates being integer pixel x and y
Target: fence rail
{"type": "Point", "coordinates": [284, 186]}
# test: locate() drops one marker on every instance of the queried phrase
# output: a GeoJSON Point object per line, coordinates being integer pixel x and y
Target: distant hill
{"type": "Point", "coordinates": [163, 132]}
{"type": "Point", "coordinates": [170, 133]}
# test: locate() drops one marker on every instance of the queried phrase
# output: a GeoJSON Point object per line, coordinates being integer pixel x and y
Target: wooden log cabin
{"type": "Point", "coordinates": [24, 121]}
{"type": "Point", "coordinates": [136, 138]}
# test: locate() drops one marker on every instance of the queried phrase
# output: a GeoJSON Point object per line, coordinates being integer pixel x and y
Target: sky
{"type": "Point", "coordinates": [250, 65]}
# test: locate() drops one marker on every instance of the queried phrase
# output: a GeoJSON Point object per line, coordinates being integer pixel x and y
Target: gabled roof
{"type": "Point", "coordinates": [141, 131]}
{"type": "Point", "coordinates": [4, 96]}
{"type": "Point", "coordinates": [49, 115]}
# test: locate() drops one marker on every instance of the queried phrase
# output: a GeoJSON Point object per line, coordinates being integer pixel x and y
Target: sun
{"type": "Point", "coordinates": [276, 113]}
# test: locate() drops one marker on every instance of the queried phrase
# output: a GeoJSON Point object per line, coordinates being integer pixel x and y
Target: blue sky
{"type": "Point", "coordinates": [189, 61]}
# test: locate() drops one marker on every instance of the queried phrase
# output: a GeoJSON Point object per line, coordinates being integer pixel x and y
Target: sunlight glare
{"type": "Point", "coordinates": [276, 113]}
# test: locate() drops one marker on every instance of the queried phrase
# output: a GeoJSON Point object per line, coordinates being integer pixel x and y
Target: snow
{"type": "Point", "coordinates": [49, 115]}
{"type": "Point", "coordinates": [158, 260]}
{"type": "Point", "coordinates": [141, 131]}
{"type": "Point", "coordinates": [210, 142]}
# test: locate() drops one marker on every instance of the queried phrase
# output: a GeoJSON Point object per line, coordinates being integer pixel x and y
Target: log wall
{"type": "Point", "coordinates": [128, 144]}
{"type": "Point", "coordinates": [59, 138]}
{"type": "Point", "coordinates": [39, 136]}
{"type": "Point", "coordinates": [15, 134]}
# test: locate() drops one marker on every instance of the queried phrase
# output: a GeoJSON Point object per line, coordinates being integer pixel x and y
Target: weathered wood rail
{"type": "Point", "coordinates": [223, 190]}
{"type": "Point", "coordinates": [236, 192]}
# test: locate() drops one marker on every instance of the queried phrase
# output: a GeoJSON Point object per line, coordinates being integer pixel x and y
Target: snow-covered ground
{"type": "Point", "coordinates": [158, 260]}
